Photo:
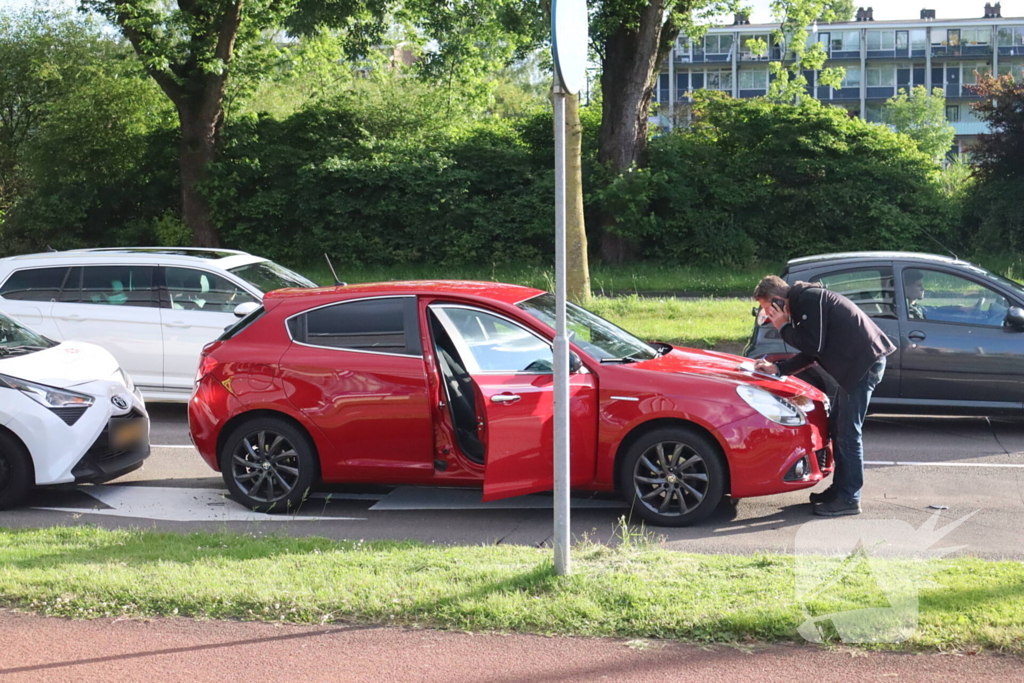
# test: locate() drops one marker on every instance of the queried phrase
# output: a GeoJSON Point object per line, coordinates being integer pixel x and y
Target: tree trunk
{"type": "Point", "coordinates": [577, 272]}
{"type": "Point", "coordinates": [630, 61]}
{"type": "Point", "coordinates": [196, 150]}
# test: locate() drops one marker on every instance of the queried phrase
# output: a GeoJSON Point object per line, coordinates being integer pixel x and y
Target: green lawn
{"type": "Point", "coordinates": [723, 324]}
{"type": "Point", "coordinates": [632, 590]}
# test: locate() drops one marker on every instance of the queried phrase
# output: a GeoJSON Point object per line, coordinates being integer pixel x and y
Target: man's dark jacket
{"type": "Point", "coordinates": [831, 330]}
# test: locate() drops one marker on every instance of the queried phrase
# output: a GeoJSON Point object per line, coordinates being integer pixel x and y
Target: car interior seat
{"type": "Point", "coordinates": [461, 393]}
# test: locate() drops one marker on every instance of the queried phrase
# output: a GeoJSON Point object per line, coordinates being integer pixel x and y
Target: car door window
{"type": "Point", "coordinates": [936, 296]}
{"type": "Point", "coordinates": [198, 290]}
{"type": "Point", "coordinates": [34, 284]}
{"type": "Point", "coordinates": [871, 289]}
{"type": "Point", "coordinates": [384, 325]}
{"type": "Point", "coordinates": [118, 286]}
{"type": "Point", "coordinates": [492, 344]}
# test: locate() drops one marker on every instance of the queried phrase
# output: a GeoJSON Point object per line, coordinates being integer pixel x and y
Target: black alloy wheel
{"type": "Point", "coordinates": [673, 476]}
{"type": "Point", "coordinates": [269, 465]}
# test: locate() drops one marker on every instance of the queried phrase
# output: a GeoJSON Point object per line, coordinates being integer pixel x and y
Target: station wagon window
{"type": "Point", "coordinates": [196, 290]}
{"type": "Point", "coordinates": [871, 289]}
{"type": "Point", "coordinates": [490, 343]}
{"type": "Point", "coordinates": [34, 284]}
{"type": "Point", "coordinates": [384, 325]}
{"type": "Point", "coordinates": [934, 296]}
{"type": "Point", "coordinates": [113, 286]}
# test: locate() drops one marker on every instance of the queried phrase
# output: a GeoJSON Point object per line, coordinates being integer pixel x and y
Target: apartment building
{"type": "Point", "coordinates": [880, 58]}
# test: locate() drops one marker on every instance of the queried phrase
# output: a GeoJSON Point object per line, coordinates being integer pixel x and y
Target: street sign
{"type": "Point", "coordinates": [569, 40]}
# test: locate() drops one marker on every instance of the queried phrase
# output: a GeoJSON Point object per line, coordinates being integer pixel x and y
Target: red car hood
{"type": "Point", "coordinates": [729, 367]}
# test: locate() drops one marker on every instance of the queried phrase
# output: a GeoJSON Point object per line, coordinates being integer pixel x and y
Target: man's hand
{"type": "Point", "coordinates": [766, 367]}
{"type": "Point", "coordinates": [778, 318]}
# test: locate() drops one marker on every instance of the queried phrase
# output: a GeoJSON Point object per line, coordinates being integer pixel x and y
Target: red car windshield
{"type": "Point", "coordinates": [601, 339]}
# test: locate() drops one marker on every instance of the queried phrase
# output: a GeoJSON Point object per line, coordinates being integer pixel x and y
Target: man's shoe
{"type": "Point", "coordinates": [837, 507]}
{"type": "Point", "coordinates": [825, 496]}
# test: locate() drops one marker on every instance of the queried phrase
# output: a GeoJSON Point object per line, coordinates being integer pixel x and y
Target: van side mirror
{"type": "Point", "coordinates": [242, 310]}
{"type": "Point", "coordinates": [1015, 318]}
{"type": "Point", "coordinates": [575, 364]}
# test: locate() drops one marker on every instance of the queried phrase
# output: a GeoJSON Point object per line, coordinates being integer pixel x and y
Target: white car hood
{"type": "Point", "coordinates": [65, 365]}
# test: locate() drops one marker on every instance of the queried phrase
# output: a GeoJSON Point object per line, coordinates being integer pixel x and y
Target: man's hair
{"type": "Point", "coordinates": [912, 275]}
{"type": "Point", "coordinates": [771, 286]}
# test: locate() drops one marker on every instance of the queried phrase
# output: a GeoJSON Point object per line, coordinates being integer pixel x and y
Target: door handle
{"type": "Point", "coordinates": [916, 336]}
{"type": "Point", "coordinates": [505, 398]}
{"type": "Point", "coordinates": [72, 318]}
{"type": "Point", "coordinates": [178, 324]}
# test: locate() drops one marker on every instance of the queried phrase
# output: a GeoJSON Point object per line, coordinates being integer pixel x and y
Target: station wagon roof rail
{"type": "Point", "coordinates": [864, 255]}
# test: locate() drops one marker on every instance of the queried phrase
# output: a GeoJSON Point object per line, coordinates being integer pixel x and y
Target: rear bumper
{"type": "Point", "coordinates": [209, 409]}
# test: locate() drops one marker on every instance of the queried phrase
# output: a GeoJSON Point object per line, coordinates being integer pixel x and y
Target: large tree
{"type": "Point", "coordinates": [188, 48]}
{"type": "Point", "coordinates": [999, 153]}
{"type": "Point", "coordinates": [923, 118]}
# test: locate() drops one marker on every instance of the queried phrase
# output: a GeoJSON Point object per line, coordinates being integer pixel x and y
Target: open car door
{"type": "Point", "coordinates": [511, 370]}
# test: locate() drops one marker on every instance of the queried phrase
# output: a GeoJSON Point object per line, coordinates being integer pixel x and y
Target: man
{"type": "Point", "coordinates": [913, 287]}
{"type": "Point", "coordinates": [829, 329]}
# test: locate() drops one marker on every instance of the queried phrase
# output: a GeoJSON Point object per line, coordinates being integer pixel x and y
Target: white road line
{"type": "Point", "coordinates": [171, 446]}
{"type": "Point", "coordinates": [894, 463]}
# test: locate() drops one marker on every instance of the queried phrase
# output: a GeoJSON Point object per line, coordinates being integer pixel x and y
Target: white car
{"type": "Point", "coordinates": [153, 308]}
{"type": "Point", "coordinates": [68, 413]}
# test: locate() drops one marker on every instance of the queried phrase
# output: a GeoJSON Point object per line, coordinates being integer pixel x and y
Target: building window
{"type": "Point", "coordinates": [972, 72]}
{"type": "Point", "coordinates": [975, 36]}
{"type": "Point", "coordinates": [846, 41]}
{"type": "Point", "coordinates": [881, 40]}
{"type": "Point", "coordinates": [1011, 36]}
{"type": "Point", "coordinates": [881, 76]}
{"type": "Point", "coordinates": [852, 78]}
{"type": "Point", "coordinates": [1014, 70]}
{"type": "Point", "coordinates": [902, 40]}
{"type": "Point", "coordinates": [663, 88]}
{"type": "Point", "coordinates": [873, 112]}
{"type": "Point", "coordinates": [718, 44]}
{"type": "Point", "coordinates": [952, 113]}
{"type": "Point", "coordinates": [745, 52]}
{"type": "Point", "coordinates": [918, 39]}
{"type": "Point", "coordinates": [753, 79]}
{"type": "Point", "coordinates": [719, 80]}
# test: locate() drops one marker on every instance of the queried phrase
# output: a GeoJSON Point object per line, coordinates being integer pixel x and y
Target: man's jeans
{"type": "Point", "coordinates": [848, 451]}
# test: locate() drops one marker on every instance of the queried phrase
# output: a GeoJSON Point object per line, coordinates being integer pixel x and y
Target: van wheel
{"type": "Point", "coordinates": [269, 465]}
{"type": "Point", "coordinates": [17, 475]}
{"type": "Point", "coordinates": [673, 476]}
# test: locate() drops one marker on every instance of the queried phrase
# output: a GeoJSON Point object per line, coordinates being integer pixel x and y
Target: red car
{"type": "Point", "coordinates": [450, 384]}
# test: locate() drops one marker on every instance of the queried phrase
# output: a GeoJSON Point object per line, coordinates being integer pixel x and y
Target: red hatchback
{"type": "Point", "coordinates": [450, 384]}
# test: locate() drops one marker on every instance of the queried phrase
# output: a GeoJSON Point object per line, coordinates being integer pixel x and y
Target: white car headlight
{"type": "Point", "coordinates": [775, 408]}
{"type": "Point", "coordinates": [51, 397]}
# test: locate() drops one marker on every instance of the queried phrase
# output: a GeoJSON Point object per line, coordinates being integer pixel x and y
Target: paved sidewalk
{"type": "Point", "coordinates": [40, 649]}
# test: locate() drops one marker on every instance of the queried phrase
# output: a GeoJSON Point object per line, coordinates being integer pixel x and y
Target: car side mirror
{"type": "Point", "coordinates": [575, 364]}
{"type": "Point", "coordinates": [1015, 318]}
{"type": "Point", "coordinates": [242, 310]}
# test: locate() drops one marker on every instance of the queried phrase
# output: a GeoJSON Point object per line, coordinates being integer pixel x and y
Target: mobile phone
{"type": "Point", "coordinates": [779, 303]}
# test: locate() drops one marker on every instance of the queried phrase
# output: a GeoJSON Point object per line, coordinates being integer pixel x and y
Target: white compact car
{"type": "Point", "coordinates": [153, 308]}
{"type": "Point", "coordinates": [68, 413]}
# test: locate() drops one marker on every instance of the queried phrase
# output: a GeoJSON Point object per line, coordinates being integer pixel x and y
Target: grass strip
{"type": "Point", "coordinates": [723, 324]}
{"type": "Point", "coordinates": [633, 589]}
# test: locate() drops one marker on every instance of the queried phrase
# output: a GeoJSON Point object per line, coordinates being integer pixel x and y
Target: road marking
{"type": "Point", "coordinates": [912, 463]}
{"type": "Point", "coordinates": [180, 505]}
{"type": "Point", "coordinates": [417, 498]}
{"type": "Point", "coordinates": [172, 446]}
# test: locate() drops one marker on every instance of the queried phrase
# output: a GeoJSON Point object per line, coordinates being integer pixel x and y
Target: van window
{"type": "Point", "coordinates": [118, 286]}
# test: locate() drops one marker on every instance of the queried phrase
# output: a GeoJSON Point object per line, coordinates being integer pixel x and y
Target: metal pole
{"type": "Point", "coordinates": [561, 350]}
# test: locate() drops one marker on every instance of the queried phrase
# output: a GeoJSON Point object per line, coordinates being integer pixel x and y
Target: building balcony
{"type": "Point", "coordinates": [970, 127]}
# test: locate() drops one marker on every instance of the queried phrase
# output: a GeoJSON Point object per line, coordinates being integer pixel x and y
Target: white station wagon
{"type": "Point", "coordinates": [152, 308]}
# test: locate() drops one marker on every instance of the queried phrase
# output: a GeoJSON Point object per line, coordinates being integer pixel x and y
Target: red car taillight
{"type": "Point", "coordinates": [207, 363]}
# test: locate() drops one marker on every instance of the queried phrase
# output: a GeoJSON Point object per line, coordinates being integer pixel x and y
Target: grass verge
{"type": "Point", "coordinates": [632, 590]}
{"type": "Point", "coordinates": [605, 280]}
{"type": "Point", "coordinates": [723, 324]}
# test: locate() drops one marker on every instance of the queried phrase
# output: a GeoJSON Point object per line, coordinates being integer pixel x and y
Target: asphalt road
{"type": "Point", "coordinates": [966, 466]}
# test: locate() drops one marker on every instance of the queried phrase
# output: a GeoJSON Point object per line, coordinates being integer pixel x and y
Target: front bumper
{"type": "Point", "coordinates": [108, 458]}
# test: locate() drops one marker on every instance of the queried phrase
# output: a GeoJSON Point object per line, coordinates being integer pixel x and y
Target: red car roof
{"type": "Point", "coordinates": [495, 291]}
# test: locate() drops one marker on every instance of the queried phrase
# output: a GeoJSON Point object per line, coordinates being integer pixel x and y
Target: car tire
{"type": "Point", "coordinates": [17, 475]}
{"type": "Point", "coordinates": [269, 465]}
{"type": "Point", "coordinates": [673, 476]}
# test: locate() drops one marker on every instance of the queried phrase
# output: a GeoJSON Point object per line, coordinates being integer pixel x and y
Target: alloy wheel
{"type": "Point", "coordinates": [670, 479]}
{"type": "Point", "coordinates": [265, 466]}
